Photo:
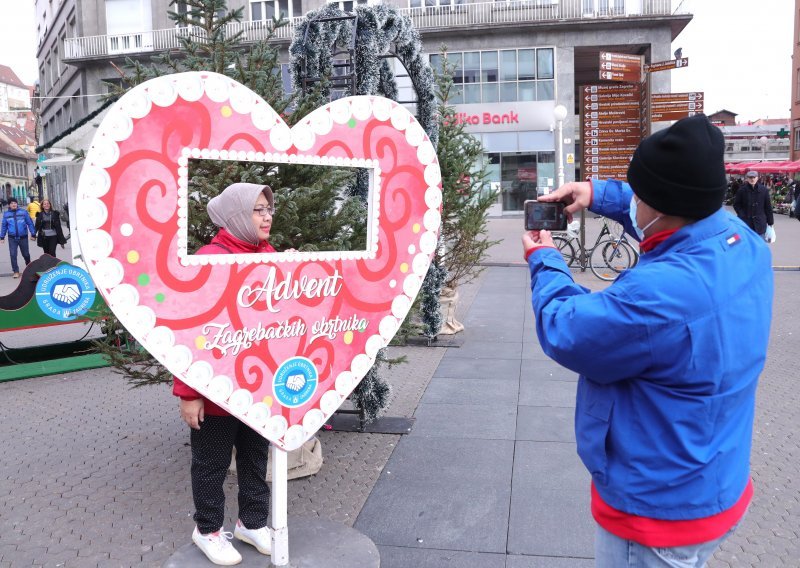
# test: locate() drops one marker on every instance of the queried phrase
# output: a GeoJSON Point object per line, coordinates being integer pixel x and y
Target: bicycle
{"type": "Point", "coordinates": [610, 255]}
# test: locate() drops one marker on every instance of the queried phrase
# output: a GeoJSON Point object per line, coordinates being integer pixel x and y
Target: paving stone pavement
{"type": "Point", "coordinates": [95, 474]}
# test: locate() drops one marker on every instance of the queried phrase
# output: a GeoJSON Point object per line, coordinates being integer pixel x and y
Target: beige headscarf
{"type": "Point", "coordinates": [233, 209]}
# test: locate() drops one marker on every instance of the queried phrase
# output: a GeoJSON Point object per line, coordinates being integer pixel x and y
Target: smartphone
{"type": "Point", "coordinates": [548, 216]}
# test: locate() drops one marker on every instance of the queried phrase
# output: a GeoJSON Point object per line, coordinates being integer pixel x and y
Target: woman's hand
{"type": "Point", "coordinates": [576, 194]}
{"type": "Point", "coordinates": [193, 412]}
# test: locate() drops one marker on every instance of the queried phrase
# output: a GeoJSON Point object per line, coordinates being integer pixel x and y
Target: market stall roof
{"type": "Point", "coordinates": [785, 167]}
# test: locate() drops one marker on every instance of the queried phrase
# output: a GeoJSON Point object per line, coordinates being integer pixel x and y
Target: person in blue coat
{"type": "Point", "coordinates": [17, 224]}
{"type": "Point", "coordinates": [669, 355]}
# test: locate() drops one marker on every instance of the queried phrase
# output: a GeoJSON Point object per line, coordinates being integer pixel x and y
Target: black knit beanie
{"type": "Point", "coordinates": [680, 170]}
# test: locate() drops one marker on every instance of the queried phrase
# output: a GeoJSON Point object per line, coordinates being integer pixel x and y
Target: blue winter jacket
{"type": "Point", "coordinates": [669, 357]}
{"type": "Point", "coordinates": [16, 224]}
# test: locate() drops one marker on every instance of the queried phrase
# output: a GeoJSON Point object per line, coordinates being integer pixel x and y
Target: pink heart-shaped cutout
{"type": "Point", "coordinates": [278, 340]}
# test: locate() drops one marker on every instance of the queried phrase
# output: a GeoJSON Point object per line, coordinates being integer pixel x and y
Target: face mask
{"type": "Point", "coordinates": [632, 213]}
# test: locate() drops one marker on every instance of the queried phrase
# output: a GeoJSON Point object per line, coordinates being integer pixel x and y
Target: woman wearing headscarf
{"type": "Point", "coordinates": [49, 232]}
{"type": "Point", "coordinates": [243, 212]}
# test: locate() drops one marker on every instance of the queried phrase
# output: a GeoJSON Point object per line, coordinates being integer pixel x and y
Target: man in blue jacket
{"type": "Point", "coordinates": [669, 355]}
{"type": "Point", "coordinates": [17, 224]}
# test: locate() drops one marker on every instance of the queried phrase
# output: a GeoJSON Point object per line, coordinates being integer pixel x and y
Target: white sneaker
{"type": "Point", "coordinates": [260, 538]}
{"type": "Point", "coordinates": [217, 547]}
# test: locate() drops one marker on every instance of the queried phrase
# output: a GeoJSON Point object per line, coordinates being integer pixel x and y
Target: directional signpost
{"type": "Point", "coordinates": [611, 119]}
{"type": "Point", "coordinates": [667, 65]}
{"type": "Point", "coordinates": [674, 106]}
{"type": "Point", "coordinates": [621, 67]}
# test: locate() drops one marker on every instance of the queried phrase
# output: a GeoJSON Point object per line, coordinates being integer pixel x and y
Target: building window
{"type": "Point", "coordinates": [797, 138]}
{"type": "Point", "coordinates": [348, 5]}
{"type": "Point", "coordinates": [508, 75]}
{"type": "Point", "coordinates": [261, 10]}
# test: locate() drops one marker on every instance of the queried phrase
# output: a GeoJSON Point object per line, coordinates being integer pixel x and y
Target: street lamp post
{"type": "Point", "coordinates": [763, 141]}
{"type": "Point", "coordinates": [560, 113]}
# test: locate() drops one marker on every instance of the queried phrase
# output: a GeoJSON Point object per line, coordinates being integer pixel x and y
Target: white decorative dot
{"type": "Point", "coordinates": [392, 283]}
{"type": "Point", "coordinates": [117, 125]}
{"type": "Point", "coordinates": [320, 121]}
{"type": "Point", "coordinates": [400, 117]}
{"type": "Point", "coordinates": [263, 117]}
{"type": "Point", "coordinates": [412, 249]}
{"type": "Point", "coordinates": [432, 219]}
{"type": "Point", "coordinates": [388, 327]}
{"type": "Point", "coordinates": [420, 264]}
{"type": "Point", "coordinates": [374, 343]}
{"type": "Point", "coordinates": [400, 306]}
{"type": "Point", "coordinates": [190, 86]}
{"type": "Point", "coordinates": [433, 197]}
{"type": "Point", "coordinates": [426, 153]}
{"type": "Point", "coordinates": [123, 297]}
{"type": "Point", "coordinates": [242, 99]}
{"type": "Point", "coordinates": [199, 374]}
{"type": "Point", "coordinates": [107, 273]}
{"type": "Point", "coordinates": [162, 91]}
{"type": "Point", "coordinates": [312, 421]}
{"type": "Point", "coordinates": [302, 137]}
{"type": "Point", "coordinates": [415, 134]}
{"type": "Point", "coordinates": [427, 243]}
{"type": "Point", "coordinates": [341, 111]}
{"type": "Point", "coordinates": [293, 438]}
{"type": "Point", "coordinates": [345, 383]}
{"type": "Point", "coordinates": [433, 174]}
{"type": "Point", "coordinates": [94, 182]}
{"type": "Point", "coordinates": [96, 244]}
{"type": "Point", "coordinates": [217, 87]}
{"type": "Point", "coordinates": [280, 137]}
{"type": "Point", "coordinates": [411, 285]}
{"type": "Point", "coordinates": [362, 107]}
{"type": "Point", "coordinates": [220, 388]}
{"type": "Point", "coordinates": [140, 320]}
{"type": "Point", "coordinates": [240, 401]}
{"type": "Point", "coordinates": [276, 427]}
{"type": "Point", "coordinates": [92, 214]}
{"type": "Point", "coordinates": [104, 152]}
{"type": "Point", "coordinates": [258, 414]}
{"type": "Point", "coordinates": [360, 365]}
{"type": "Point", "coordinates": [179, 358]}
{"type": "Point", "coordinates": [331, 401]}
{"type": "Point", "coordinates": [381, 108]}
{"type": "Point", "coordinates": [135, 103]}
{"type": "Point", "coordinates": [160, 340]}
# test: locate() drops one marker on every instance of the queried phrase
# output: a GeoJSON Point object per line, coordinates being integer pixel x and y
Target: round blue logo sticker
{"type": "Point", "coordinates": [65, 292]}
{"type": "Point", "coordinates": [295, 382]}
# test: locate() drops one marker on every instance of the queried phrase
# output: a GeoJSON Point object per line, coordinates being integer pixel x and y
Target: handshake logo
{"type": "Point", "coordinates": [67, 293]}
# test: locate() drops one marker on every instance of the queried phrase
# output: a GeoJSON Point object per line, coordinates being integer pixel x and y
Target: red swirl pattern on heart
{"type": "Point", "coordinates": [132, 230]}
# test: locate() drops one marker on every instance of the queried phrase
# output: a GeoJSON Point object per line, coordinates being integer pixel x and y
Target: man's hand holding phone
{"type": "Point", "coordinates": [577, 195]}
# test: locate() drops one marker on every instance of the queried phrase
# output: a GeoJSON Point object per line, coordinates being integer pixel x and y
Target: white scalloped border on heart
{"type": "Point", "coordinates": [107, 272]}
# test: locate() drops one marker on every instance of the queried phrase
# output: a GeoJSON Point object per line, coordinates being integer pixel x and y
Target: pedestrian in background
{"type": "Point", "coordinates": [17, 224]}
{"type": "Point", "coordinates": [49, 232]}
{"type": "Point", "coordinates": [669, 355]}
{"type": "Point", "coordinates": [34, 208]}
{"type": "Point", "coordinates": [753, 205]}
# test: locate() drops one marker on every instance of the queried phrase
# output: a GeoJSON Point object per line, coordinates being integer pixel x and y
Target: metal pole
{"type": "Point", "coordinates": [280, 532]}
{"type": "Point", "coordinates": [560, 153]}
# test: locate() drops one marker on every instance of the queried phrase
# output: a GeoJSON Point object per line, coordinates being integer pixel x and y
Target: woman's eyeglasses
{"type": "Point", "coordinates": [264, 211]}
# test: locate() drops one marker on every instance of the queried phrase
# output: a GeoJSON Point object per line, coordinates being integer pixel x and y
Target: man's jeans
{"type": "Point", "coordinates": [610, 551]}
{"type": "Point", "coordinates": [22, 244]}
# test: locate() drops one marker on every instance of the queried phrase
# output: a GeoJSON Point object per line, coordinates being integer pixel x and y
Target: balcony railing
{"type": "Point", "coordinates": [449, 14]}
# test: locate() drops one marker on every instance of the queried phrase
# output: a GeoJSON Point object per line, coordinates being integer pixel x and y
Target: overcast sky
{"type": "Point", "coordinates": [739, 53]}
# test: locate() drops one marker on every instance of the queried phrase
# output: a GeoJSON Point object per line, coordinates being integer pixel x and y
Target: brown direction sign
{"type": "Point", "coordinates": [666, 65]}
{"type": "Point", "coordinates": [660, 116]}
{"type": "Point", "coordinates": [621, 67]}
{"type": "Point", "coordinates": [658, 98]}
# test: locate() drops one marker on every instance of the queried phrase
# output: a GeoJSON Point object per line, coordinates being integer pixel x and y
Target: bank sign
{"type": "Point", "coordinates": [506, 117]}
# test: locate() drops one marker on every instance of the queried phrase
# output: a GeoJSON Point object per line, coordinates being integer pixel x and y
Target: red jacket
{"type": "Point", "coordinates": [222, 243]}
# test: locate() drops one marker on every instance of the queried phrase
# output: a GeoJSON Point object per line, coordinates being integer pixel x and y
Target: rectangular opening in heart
{"type": "Point", "coordinates": [327, 210]}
